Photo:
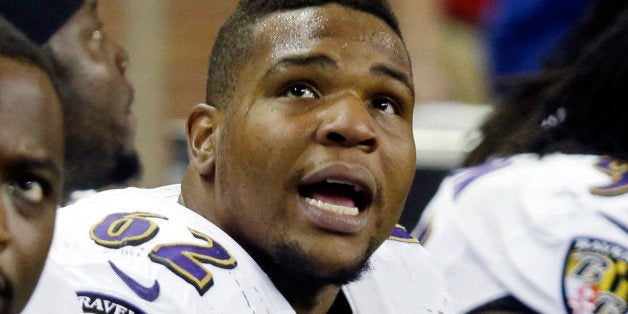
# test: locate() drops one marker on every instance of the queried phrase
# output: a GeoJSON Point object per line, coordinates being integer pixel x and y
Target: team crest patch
{"type": "Point", "coordinates": [99, 303]}
{"type": "Point", "coordinates": [595, 277]}
{"type": "Point", "coordinates": [400, 234]}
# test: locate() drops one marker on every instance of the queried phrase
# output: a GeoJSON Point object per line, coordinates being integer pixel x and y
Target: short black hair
{"type": "Point", "coordinates": [234, 43]}
{"type": "Point", "coordinates": [15, 45]}
{"type": "Point", "coordinates": [379, 8]}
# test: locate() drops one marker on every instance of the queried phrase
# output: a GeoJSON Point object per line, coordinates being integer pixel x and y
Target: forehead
{"type": "Point", "coordinates": [91, 6]}
{"type": "Point", "coordinates": [30, 113]}
{"type": "Point", "coordinates": [295, 30]}
{"type": "Point", "coordinates": [87, 13]}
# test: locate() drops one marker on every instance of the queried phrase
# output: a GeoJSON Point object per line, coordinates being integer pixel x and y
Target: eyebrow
{"type": "Point", "coordinates": [44, 164]}
{"type": "Point", "coordinates": [38, 164]}
{"type": "Point", "coordinates": [324, 61]}
{"type": "Point", "coordinates": [321, 61]}
{"type": "Point", "coordinates": [93, 5]}
{"type": "Point", "coordinates": [397, 75]}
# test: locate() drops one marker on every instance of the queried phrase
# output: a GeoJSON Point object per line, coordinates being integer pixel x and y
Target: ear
{"type": "Point", "coordinates": [202, 131]}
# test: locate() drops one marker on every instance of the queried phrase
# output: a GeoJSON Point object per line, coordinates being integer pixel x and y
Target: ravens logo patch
{"type": "Point", "coordinates": [595, 277]}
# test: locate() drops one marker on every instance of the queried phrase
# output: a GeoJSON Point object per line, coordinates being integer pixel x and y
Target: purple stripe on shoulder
{"type": "Point", "coordinates": [399, 233]}
{"type": "Point", "coordinates": [465, 177]}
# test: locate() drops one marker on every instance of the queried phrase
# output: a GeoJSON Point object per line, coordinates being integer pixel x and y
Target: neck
{"type": "Point", "coordinates": [198, 196]}
{"type": "Point", "coordinates": [304, 297]}
{"type": "Point", "coordinates": [322, 304]}
{"type": "Point", "coordinates": [305, 293]}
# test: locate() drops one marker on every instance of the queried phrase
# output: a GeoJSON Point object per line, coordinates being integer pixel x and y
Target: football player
{"type": "Point", "coordinates": [546, 230]}
{"type": "Point", "coordinates": [31, 165]}
{"type": "Point", "coordinates": [95, 93]}
{"type": "Point", "coordinates": [300, 163]}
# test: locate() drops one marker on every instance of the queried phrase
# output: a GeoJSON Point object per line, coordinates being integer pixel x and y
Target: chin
{"type": "Point", "coordinates": [6, 294]}
{"type": "Point", "coordinates": [294, 262]}
{"type": "Point", "coordinates": [127, 167]}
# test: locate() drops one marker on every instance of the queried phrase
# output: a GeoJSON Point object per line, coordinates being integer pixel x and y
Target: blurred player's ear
{"type": "Point", "coordinates": [201, 131]}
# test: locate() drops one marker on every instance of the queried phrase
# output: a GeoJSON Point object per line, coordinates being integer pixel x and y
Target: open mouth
{"type": "Point", "coordinates": [337, 196]}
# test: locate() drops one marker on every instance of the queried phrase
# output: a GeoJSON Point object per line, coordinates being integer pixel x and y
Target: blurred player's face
{"type": "Point", "coordinates": [31, 159]}
{"type": "Point", "coordinates": [97, 100]}
{"type": "Point", "coordinates": [316, 153]}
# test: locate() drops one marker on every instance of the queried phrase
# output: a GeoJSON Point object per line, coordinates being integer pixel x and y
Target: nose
{"type": "Point", "coordinates": [348, 123]}
{"type": "Point", "coordinates": [121, 57]}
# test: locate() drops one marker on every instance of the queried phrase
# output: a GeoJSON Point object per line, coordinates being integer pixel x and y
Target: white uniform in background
{"type": "Point", "coordinates": [139, 251]}
{"type": "Point", "coordinates": [552, 232]}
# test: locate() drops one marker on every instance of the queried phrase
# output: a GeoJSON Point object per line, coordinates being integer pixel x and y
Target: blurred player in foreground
{"type": "Point", "coordinates": [546, 230]}
{"type": "Point", "coordinates": [31, 165]}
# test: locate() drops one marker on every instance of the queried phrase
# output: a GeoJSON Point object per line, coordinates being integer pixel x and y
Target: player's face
{"type": "Point", "coordinates": [31, 156]}
{"type": "Point", "coordinates": [316, 153]}
{"type": "Point", "coordinates": [97, 99]}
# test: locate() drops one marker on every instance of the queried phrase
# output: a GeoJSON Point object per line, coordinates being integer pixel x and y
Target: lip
{"type": "Point", "coordinates": [329, 220]}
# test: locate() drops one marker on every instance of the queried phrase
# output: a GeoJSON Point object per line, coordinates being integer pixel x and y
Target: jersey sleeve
{"type": "Point", "coordinates": [518, 230]}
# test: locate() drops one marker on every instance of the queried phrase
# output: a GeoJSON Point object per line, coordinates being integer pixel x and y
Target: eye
{"type": "Point", "coordinates": [97, 35]}
{"type": "Point", "coordinates": [299, 90]}
{"type": "Point", "coordinates": [384, 104]}
{"type": "Point", "coordinates": [33, 190]}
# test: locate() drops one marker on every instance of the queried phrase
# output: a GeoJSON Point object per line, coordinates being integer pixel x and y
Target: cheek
{"type": "Point", "coordinates": [5, 235]}
{"type": "Point", "coordinates": [104, 82]}
{"type": "Point", "coordinates": [31, 238]}
{"type": "Point", "coordinates": [399, 162]}
{"type": "Point", "coordinates": [270, 141]}
{"type": "Point", "coordinates": [259, 154]}
{"type": "Point", "coordinates": [398, 170]}
{"type": "Point", "coordinates": [26, 253]}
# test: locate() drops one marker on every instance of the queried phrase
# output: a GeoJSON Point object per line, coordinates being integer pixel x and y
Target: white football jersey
{"type": "Point", "coordinates": [402, 280]}
{"type": "Point", "coordinates": [551, 231]}
{"type": "Point", "coordinates": [139, 251]}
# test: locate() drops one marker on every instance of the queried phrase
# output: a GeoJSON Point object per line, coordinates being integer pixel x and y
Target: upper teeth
{"type": "Point", "coordinates": [355, 187]}
{"type": "Point", "coordinates": [344, 210]}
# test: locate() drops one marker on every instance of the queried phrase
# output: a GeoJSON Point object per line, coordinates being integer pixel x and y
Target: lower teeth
{"type": "Point", "coordinates": [344, 210]}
